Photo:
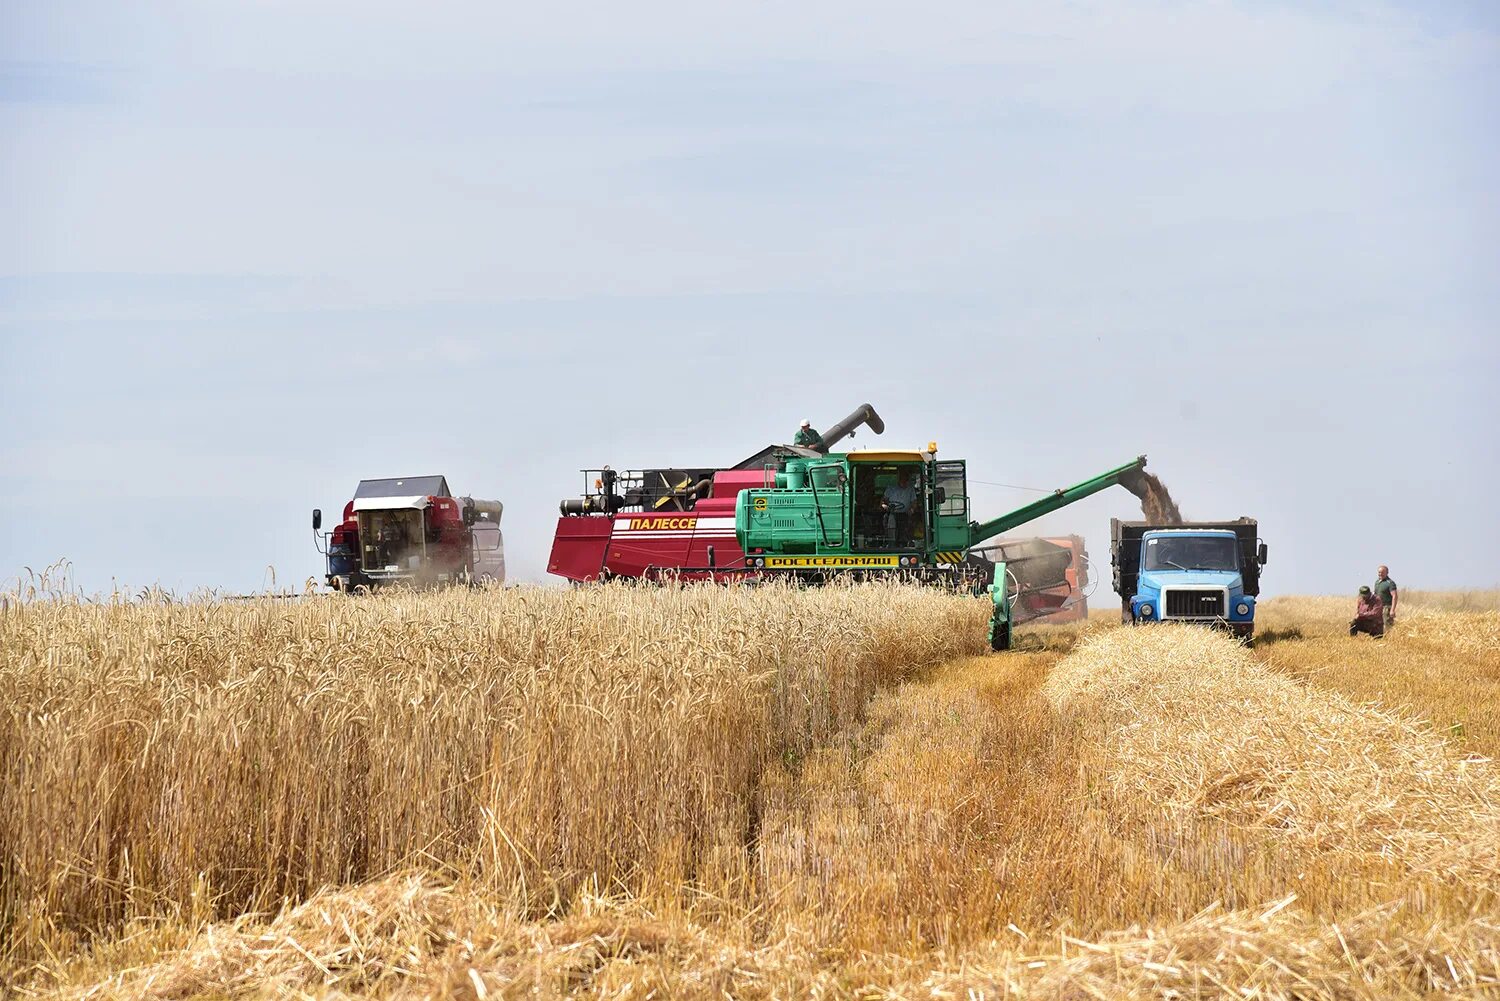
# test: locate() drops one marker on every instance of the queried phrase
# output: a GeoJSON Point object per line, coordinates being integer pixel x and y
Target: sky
{"type": "Point", "coordinates": [254, 252]}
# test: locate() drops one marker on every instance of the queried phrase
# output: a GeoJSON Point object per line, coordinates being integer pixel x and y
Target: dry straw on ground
{"type": "Point", "coordinates": [411, 937]}
{"type": "Point", "coordinates": [735, 794]}
{"type": "Point", "coordinates": [1197, 725]}
{"type": "Point", "coordinates": [1440, 663]}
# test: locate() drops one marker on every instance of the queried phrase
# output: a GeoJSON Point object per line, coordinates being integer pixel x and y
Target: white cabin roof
{"type": "Point", "coordinates": [390, 503]}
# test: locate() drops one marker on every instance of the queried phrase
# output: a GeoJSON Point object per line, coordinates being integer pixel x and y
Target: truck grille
{"type": "Point", "coordinates": [1194, 604]}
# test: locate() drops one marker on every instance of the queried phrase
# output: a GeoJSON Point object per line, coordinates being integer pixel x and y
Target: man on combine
{"type": "Point", "coordinates": [1367, 615]}
{"type": "Point", "coordinates": [1386, 589]}
{"type": "Point", "coordinates": [897, 501]}
{"type": "Point", "coordinates": [807, 437]}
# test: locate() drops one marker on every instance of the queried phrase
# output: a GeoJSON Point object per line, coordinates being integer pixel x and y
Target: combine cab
{"type": "Point", "coordinates": [413, 530]}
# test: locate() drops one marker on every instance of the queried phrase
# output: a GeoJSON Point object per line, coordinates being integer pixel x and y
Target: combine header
{"type": "Point", "coordinates": [1049, 577]}
{"type": "Point", "coordinates": [413, 530]}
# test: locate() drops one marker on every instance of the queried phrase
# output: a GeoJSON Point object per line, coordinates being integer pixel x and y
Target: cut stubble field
{"type": "Point", "coordinates": [698, 792]}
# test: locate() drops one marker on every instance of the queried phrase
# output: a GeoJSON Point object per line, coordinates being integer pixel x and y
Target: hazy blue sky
{"type": "Point", "coordinates": [253, 252]}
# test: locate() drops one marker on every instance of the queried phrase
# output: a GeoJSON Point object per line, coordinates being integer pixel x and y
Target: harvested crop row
{"type": "Point", "coordinates": [412, 937]}
{"type": "Point", "coordinates": [206, 758]}
{"type": "Point", "coordinates": [1189, 721]}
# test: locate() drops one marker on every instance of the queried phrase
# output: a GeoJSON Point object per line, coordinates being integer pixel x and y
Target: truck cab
{"type": "Point", "coordinates": [1204, 573]}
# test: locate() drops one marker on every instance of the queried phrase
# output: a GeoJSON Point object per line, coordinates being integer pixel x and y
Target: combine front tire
{"type": "Point", "coordinates": [1000, 637]}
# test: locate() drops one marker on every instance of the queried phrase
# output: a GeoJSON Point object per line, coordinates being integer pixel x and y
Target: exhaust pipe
{"type": "Point", "coordinates": [864, 414]}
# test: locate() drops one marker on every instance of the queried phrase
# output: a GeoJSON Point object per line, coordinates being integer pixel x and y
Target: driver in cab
{"type": "Point", "coordinates": [898, 500]}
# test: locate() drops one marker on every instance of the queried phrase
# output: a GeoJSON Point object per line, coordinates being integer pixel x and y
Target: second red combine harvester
{"type": "Point", "coordinates": [412, 530]}
{"type": "Point", "coordinates": [789, 510]}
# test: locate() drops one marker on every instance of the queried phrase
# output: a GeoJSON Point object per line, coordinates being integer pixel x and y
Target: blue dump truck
{"type": "Point", "coordinates": [1205, 572]}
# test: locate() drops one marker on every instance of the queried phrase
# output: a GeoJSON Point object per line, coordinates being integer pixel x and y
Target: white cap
{"type": "Point", "coordinates": [806, 423]}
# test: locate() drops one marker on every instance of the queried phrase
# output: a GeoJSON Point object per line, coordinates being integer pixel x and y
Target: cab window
{"type": "Point", "coordinates": [828, 477]}
{"type": "Point", "coordinates": [950, 480]}
{"type": "Point", "coordinates": [889, 511]}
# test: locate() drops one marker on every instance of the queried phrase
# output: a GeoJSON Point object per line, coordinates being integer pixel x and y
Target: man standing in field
{"type": "Point", "coordinates": [807, 436]}
{"type": "Point", "coordinates": [1367, 615]}
{"type": "Point", "coordinates": [1386, 589]}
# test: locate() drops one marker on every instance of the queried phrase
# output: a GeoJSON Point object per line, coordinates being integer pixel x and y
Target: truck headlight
{"type": "Point", "coordinates": [1146, 610]}
{"type": "Point", "coordinates": [1242, 608]}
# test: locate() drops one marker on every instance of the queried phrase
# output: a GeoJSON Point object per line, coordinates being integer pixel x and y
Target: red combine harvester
{"type": "Point", "coordinates": [652, 523]}
{"type": "Point", "coordinates": [413, 530]}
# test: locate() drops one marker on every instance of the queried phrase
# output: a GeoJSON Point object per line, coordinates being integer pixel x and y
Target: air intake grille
{"type": "Point", "coordinates": [1195, 604]}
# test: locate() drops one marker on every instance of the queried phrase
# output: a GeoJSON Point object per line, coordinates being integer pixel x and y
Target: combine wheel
{"type": "Point", "coordinates": [1000, 637]}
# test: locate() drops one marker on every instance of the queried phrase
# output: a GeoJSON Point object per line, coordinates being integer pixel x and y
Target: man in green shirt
{"type": "Point", "coordinates": [1386, 588]}
{"type": "Point", "coordinates": [807, 437]}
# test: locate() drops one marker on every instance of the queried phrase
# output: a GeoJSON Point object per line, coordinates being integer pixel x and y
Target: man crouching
{"type": "Point", "coordinates": [1369, 614]}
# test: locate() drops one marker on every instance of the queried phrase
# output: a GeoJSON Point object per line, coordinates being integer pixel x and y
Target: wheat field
{"type": "Point", "coordinates": [741, 792]}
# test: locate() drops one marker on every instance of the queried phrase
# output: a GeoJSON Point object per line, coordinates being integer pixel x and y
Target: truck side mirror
{"type": "Point", "coordinates": [1260, 554]}
{"type": "Point", "coordinates": [939, 495]}
{"type": "Point", "coordinates": [317, 518]}
{"type": "Point", "coordinates": [469, 516]}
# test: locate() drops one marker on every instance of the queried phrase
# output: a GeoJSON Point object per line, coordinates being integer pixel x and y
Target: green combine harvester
{"type": "Point", "coordinates": [877, 512]}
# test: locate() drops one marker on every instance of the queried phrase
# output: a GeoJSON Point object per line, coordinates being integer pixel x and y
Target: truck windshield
{"type": "Point", "coordinates": [1184, 553]}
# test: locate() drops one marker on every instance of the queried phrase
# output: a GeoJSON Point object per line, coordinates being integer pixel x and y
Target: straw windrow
{"type": "Point", "coordinates": [1189, 720]}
